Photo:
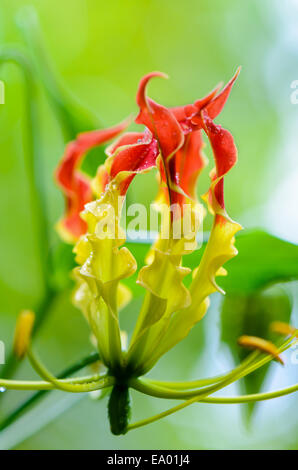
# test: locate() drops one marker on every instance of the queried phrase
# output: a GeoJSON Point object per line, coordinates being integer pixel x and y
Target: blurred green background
{"type": "Point", "coordinates": [99, 50]}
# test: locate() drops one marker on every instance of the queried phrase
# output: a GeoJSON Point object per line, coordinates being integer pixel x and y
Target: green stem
{"type": "Point", "coordinates": [224, 400]}
{"type": "Point", "coordinates": [45, 385]}
{"type": "Point", "coordinates": [33, 160]}
{"type": "Point", "coordinates": [86, 361]}
{"type": "Point", "coordinates": [251, 398]}
{"type": "Point", "coordinates": [197, 383]}
{"type": "Point", "coordinates": [163, 392]}
{"type": "Point", "coordinates": [102, 382]}
{"type": "Point", "coordinates": [35, 175]}
{"type": "Point", "coordinates": [208, 391]}
{"type": "Point", "coordinates": [72, 117]}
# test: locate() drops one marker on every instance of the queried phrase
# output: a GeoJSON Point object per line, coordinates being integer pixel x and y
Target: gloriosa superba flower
{"type": "Point", "coordinates": [171, 141]}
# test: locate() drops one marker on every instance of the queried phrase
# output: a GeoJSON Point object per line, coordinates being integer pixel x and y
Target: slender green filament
{"type": "Point", "coordinates": [190, 392]}
{"type": "Point", "coordinates": [204, 393]}
{"type": "Point", "coordinates": [74, 387]}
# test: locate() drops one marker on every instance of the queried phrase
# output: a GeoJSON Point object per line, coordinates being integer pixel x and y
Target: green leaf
{"type": "Point", "coordinates": [93, 159]}
{"type": "Point", "coordinates": [263, 259]}
{"type": "Point", "coordinates": [251, 315]}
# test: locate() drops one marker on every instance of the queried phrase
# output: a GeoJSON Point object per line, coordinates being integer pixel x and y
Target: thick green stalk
{"type": "Point", "coordinates": [119, 409]}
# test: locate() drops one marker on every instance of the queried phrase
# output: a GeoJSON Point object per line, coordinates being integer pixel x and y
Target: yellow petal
{"type": "Point", "coordinates": [164, 279]}
{"type": "Point", "coordinates": [220, 248]}
{"type": "Point", "coordinates": [103, 264]}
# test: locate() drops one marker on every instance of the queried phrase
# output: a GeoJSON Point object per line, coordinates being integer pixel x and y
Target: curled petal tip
{"type": "Point", "coordinates": [143, 84]}
{"type": "Point", "coordinates": [157, 74]}
{"type": "Point", "coordinates": [201, 103]}
{"type": "Point", "coordinates": [217, 87]}
{"type": "Point", "coordinates": [129, 119]}
{"type": "Point", "coordinates": [164, 75]}
{"type": "Point", "coordinates": [126, 122]}
{"type": "Point", "coordinates": [234, 78]}
{"type": "Point", "coordinates": [145, 79]}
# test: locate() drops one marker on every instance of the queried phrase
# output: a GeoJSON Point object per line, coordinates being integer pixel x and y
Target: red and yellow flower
{"type": "Point", "coordinates": [171, 141]}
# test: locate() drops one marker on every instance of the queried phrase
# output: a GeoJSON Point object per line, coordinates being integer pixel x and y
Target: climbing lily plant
{"type": "Point", "coordinates": [169, 141]}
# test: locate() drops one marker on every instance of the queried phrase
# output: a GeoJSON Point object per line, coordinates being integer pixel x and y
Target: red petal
{"type": "Point", "coordinates": [200, 104]}
{"type": "Point", "coordinates": [75, 186]}
{"type": "Point", "coordinates": [190, 118]}
{"type": "Point", "coordinates": [186, 167]}
{"type": "Point", "coordinates": [160, 120]}
{"type": "Point", "coordinates": [76, 150]}
{"type": "Point", "coordinates": [88, 140]}
{"type": "Point", "coordinates": [216, 105]}
{"type": "Point", "coordinates": [134, 158]}
{"type": "Point", "coordinates": [181, 113]}
{"type": "Point", "coordinates": [189, 162]}
{"type": "Point", "coordinates": [66, 168]}
{"type": "Point", "coordinates": [225, 155]}
{"type": "Point", "coordinates": [82, 194]}
{"type": "Point", "coordinates": [128, 138]}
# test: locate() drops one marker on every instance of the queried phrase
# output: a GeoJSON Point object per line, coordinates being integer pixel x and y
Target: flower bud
{"type": "Point", "coordinates": [23, 331]}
